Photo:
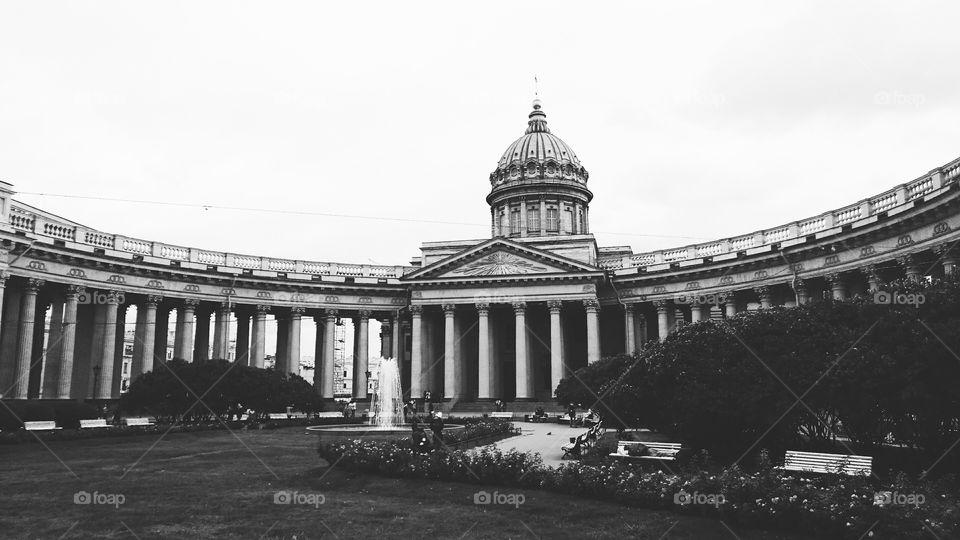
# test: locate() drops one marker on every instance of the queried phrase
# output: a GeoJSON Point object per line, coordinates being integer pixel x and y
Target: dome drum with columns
{"type": "Point", "coordinates": [539, 187]}
{"type": "Point", "coordinates": [469, 320]}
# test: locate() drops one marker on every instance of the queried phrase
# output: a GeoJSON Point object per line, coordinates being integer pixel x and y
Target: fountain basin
{"type": "Point", "coordinates": [368, 432]}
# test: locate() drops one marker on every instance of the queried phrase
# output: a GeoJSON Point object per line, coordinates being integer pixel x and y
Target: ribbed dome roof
{"type": "Point", "coordinates": [538, 154]}
{"type": "Point", "coordinates": [538, 144]}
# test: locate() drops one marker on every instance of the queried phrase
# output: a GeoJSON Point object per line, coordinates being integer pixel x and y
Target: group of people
{"type": "Point", "coordinates": [423, 442]}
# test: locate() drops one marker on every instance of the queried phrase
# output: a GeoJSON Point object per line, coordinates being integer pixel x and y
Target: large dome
{"type": "Point", "coordinates": [538, 154]}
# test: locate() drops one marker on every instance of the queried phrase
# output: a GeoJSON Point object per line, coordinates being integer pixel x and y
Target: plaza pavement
{"type": "Point", "coordinates": [541, 438]}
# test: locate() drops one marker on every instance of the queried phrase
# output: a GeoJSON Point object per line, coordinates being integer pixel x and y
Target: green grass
{"type": "Point", "coordinates": [217, 484]}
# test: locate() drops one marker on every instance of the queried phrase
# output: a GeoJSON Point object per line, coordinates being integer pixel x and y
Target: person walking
{"type": "Point", "coordinates": [436, 426]}
{"type": "Point", "coordinates": [572, 412]}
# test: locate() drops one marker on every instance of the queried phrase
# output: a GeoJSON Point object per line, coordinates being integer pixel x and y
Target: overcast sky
{"type": "Point", "coordinates": [695, 121]}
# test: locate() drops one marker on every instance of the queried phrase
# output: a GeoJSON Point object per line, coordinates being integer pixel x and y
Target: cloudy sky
{"type": "Point", "coordinates": [696, 121]}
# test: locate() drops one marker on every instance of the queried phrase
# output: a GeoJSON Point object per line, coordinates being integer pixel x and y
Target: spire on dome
{"type": "Point", "coordinates": [538, 119]}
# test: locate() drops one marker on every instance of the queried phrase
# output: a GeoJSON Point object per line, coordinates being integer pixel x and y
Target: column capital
{"type": "Point", "coordinates": [449, 309]}
{"type": "Point", "coordinates": [799, 286]}
{"type": "Point", "coordinates": [226, 306]}
{"type": "Point", "coordinates": [554, 306]}
{"type": "Point", "coordinates": [33, 285]}
{"type": "Point", "coordinates": [943, 249]}
{"type": "Point", "coordinates": [191, 303]}
{"type": "Point", "coordinates": [416, 309]}
{"type": "Point", "coordinates": [483, 308]}
{"type": "Point", "coordinates": [3, 278]}
{"type": "Point", "coordinates": [519, 307]}
{"type": "Point", "coordinates": [298, 310]}
{"type": "Point", "coordinates": [263, 309]}
{"type": "Point", "coordinates": [833, 278]}
{"type": "Point", "coordinates": [75, 291]}
{"type": "Point", "coordinates": [661, 305]}
{"type": "Point", "coordinates": [906, 260]}
{"type": "Point", "coordinates": [330, 313]}
{"type": "Point", "coordinates": [152, 300]}
{"type": "Point", "coordinates": [762, 291]}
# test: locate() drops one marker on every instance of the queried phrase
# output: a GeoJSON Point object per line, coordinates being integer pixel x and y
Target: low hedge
{"type": "Point", "coordinates": [825, 505]}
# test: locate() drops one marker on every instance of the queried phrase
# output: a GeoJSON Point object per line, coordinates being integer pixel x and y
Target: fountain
{"type": "Point", "coordinates": [386, 407]}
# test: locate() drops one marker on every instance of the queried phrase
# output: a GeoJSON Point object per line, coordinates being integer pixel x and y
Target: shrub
{"type": "Point", "coordinates": [825, 505]}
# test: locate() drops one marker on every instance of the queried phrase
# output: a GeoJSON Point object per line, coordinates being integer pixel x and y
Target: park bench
{"type": "Point", "coordinates": [277, 416]}
{"type": "Point", "coordinates": [94, 423]}
{"type": "Point", "coordinates": [501, 415]}
{"type": "Point", "coordinates": [137, 422]}
{"type": "Point", "coordinates": [584, 441]}
{"type": "Point", "coordinates": [43, 425]}
{"type": "Point", "coordinates": [662, 451]}
{"type": "Point", "coordinates": [815, 462]}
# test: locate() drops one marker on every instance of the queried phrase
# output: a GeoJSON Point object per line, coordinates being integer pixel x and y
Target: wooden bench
{"type": "Point", "coordinates": [663, 451]}
{"type": "Point", "coordinates": [815, 462]}
{"type": "Point", "coordinates": [501, 415]}
{"type": "Point", "coordinates": [94, 423]}
{"type": "Point", "coordinates": [137, 422]}
{"type": "Point", "coordinates": [43, 425]}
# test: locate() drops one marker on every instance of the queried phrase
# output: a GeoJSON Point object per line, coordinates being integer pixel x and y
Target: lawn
{"type": "Point", "coordinates": [219, 484]}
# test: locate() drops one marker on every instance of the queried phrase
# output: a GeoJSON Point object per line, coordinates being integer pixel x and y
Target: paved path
{"type": "Point", "coordinates": [542, 438]}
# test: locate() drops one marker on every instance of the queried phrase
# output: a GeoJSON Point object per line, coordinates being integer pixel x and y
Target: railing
{"type": "Point", "coordinates": [901, 194]}
{"type": "Point", "coordinates": [23, 218]}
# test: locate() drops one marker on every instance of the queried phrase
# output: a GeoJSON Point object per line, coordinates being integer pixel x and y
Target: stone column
{"type": "Point", "coordinates": [837, 285]}
{"type": "Point", "coordinates": [329, 345]}
{"type": "Point", "coordinates": [640, 318]}
{"type": "Point", "coordinates": [362, 359]}
{"type": "Point", "coordinates": [629, 335]}
{"type": "Point", "coordinates": [800, 289]}
{"type": "Point", "coordinates": [221, 333]}
{"type": "Point", "coordinates": [416, 351]}
{"type": "Point", "coordinates": [185, 324]}
{"type": "Point", "coordinates": [144, 363]}
{"type": "Point", "coordinates": [556, 344]}
{"type": "Point", "coordinates": [766, 297]}
{"type": "Point", "coordinates": [9, 327]}
{"type": "Point", "coordinates": [395, 340]}
{"type": "Point", "coordinates": [663, 317]}
{"type": "Point", "coordinates": [293, 340]}
{"type": "Point", "coordinates": [593, 330]}
{"type": "Point", "coordinates": [385, 339]}
{"type": "Point", "coordinates": [485, 388]}
{"type": "Point", "coordinates": [910, 268]}
{"type": "Point", "coordinates": [523, 371]}
{"type": "Point", "coordinates": [28, 311]}
{"type": "Point", "coordinates": [318, 356]}
{"type": "Point", "coordinates": [68, 339]}
{"type": "Point", "coordinates": [695, 314]}
{"type": "Point", "coordinates": [118, 340]}
{"type": "Point", "coordinates": [107, 349]}
{"type": "Point", "coordinates": [259, 336]}
{"type": "Point", "coordinates": [450, 367]}
{"type": "Point", "coordinates": [730, 305]}
{"type": "Point", "coordinates": [51, 362]}
{"type": "Point", "coordinates": [243, 337]}
{"type": "Point", "coordinates": [201, 348]}
{"type": "Point", "coordinates": [873, 278]}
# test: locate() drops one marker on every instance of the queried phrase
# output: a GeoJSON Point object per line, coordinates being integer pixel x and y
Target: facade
{"type": "Point", "coordinates": [504, 317]}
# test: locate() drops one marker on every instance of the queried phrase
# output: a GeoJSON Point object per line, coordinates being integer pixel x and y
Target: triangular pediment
{"type": "Point", "coordinates": [501, 258]}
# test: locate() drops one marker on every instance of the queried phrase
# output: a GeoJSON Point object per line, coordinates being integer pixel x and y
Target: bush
{"type": "Point", "coordinates": [68, 414]}
{"type": "Point", "coordinates": [825, 505]}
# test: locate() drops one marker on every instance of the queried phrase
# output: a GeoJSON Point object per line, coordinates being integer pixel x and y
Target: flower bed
{"type": "Point", "coordinates": [826, 505]}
